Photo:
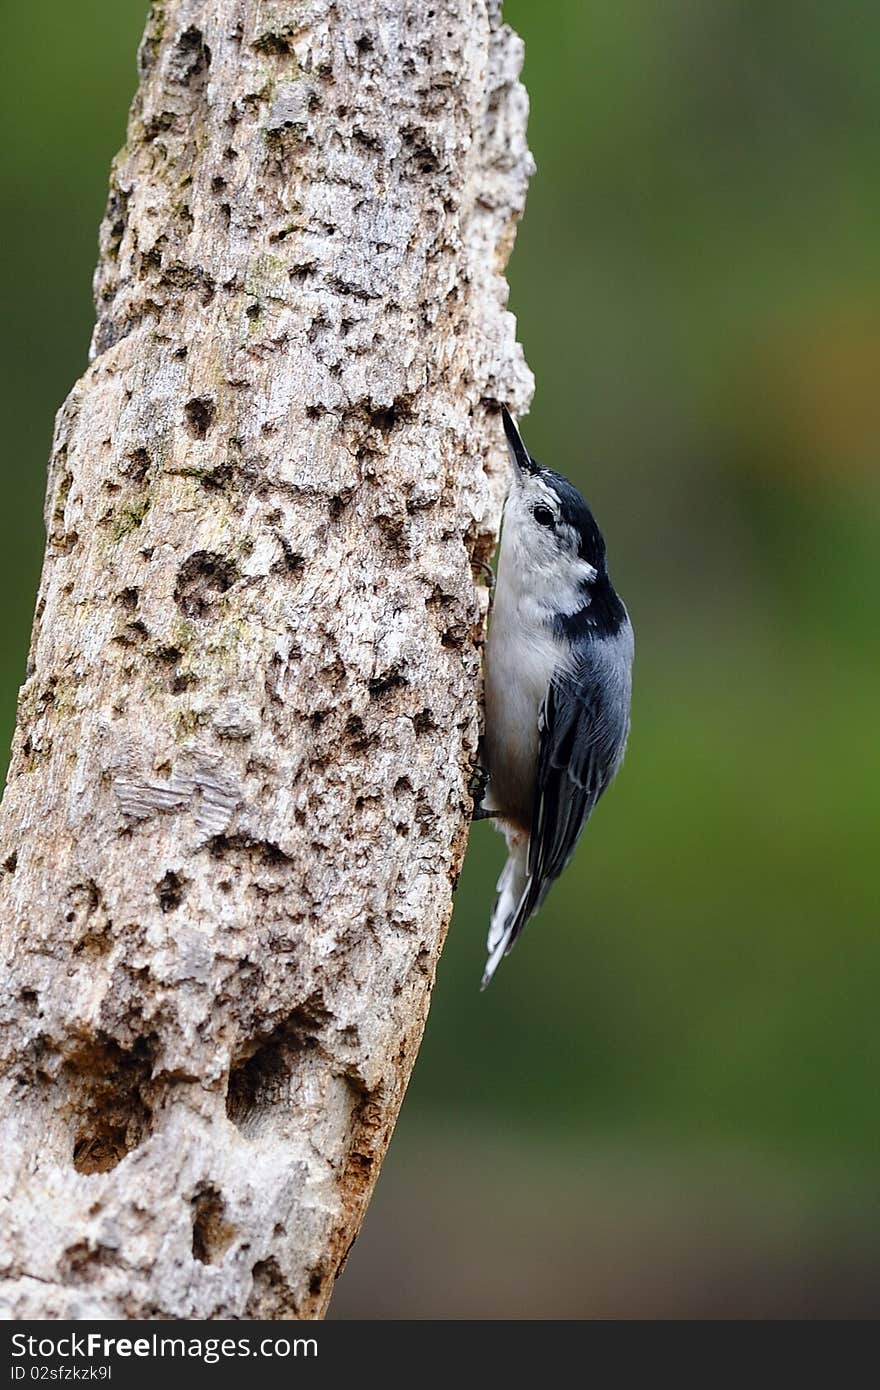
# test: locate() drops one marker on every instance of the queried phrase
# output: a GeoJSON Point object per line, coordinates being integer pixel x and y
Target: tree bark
{"type": "Point", "coordinates": [237, 805]}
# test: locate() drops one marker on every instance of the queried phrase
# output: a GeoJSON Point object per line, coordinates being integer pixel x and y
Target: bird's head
{"type": "Point", "coordinates": [550, 527]}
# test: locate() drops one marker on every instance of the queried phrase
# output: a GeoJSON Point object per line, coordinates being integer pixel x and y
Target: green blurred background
{"type": "Point", "coordinates": [667, 1104]}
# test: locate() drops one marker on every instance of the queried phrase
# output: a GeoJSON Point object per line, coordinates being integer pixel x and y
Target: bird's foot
{"type": "Point", "coordinates": [488, 574]}
{"type": "Point", "coordinates": [477, 790]}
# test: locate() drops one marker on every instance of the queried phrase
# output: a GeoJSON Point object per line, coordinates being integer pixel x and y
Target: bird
{"type": "Point", "coordinates": [558, 686]}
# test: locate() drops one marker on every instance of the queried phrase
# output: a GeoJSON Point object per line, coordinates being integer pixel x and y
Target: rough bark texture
{"type": "Point", "coordinates": [237, 804]}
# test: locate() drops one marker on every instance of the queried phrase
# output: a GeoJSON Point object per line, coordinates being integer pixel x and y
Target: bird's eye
{"type": "Point", "coordinates": [543, 516]}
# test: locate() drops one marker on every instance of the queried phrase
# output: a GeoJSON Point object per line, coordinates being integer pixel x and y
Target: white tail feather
{"type": "Point", "coordinates": [511, 886]}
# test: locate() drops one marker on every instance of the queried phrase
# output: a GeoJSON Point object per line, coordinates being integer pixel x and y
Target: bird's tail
{"type": "Point", "coordinates": [508, 917]}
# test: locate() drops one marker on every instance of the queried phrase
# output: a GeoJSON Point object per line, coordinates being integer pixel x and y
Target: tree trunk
{"type": "Point", "coordinates": [237, 805]}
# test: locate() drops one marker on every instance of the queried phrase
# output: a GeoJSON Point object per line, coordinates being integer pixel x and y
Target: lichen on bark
{"type": "Point", "coordinates": [237, 804]}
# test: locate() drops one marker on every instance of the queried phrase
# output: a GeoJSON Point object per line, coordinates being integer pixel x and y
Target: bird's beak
{"type": "Point", "coordinates": [519, 454]}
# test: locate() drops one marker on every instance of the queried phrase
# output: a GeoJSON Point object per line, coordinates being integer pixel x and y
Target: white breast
{"type": "Point", "coordinates": [521, 657]}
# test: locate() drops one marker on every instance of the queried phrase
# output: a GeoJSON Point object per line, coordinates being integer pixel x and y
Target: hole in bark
{"type": "Point", "coordinates": [200, 412]}
{"type": "Point", "coordinates": [264, 852]}
{"type": "Point", "coordinates": [85, 899]}
{"type": "Point", "coordinates": [201, 579]}
{"type": "Point", "coordinates": [423, 722]}
{"type": "Point", "coordinates": [10, 863]}
{"type": "Point", "coordinates": [273, 43]}
{"type": "Point", "coordinates": [364, 44]}
{"type": "Point", "coordinates": [191, 57]}
{"type": "Point", "coordinates": [360, 739]}
{"type": "Point", "coordinates": [169, 891]}
{"type": "Point", "coordinates": [218, 478]}
{"type": "Point", "coordinates": [137, 465]}
{"type": "Point", "coordinates": [92, 929]}
{"type": "Point", "coordinates": [258, 1082]}
{"type": "Point", "coordinates": [129, 599]}
{"type": "Point", "coordinates": [154, 126]}
{"type": "Point", "coordinates": [271, 1296]}
{"type": "Point", "coordinates": [259, 1085]}
{"type": "Point", "coordinates": [107, 1094]}
{"type": "Point", "coordinates": [367, 139]}
{"type": "Point", "coordinates": [423, 155]}
{"type": "Point", "coordinates": [212, 1234]}
{"type": "Point", "coordinates": [131, 634]}
{"type": "Point", "coordinates": [83, 1263]}
{"type": "Point", "coordinates": [384, 419]}
{"type": "Point", "coordinates": [393, 530]}
{"type": "Point", "coordinates": [381, 685]}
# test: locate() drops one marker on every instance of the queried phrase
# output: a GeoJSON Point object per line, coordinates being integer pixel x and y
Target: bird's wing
{"type": "Point", "coordinates": [576, 761]}
{"type": "Point", "coordinates": [582, 737]}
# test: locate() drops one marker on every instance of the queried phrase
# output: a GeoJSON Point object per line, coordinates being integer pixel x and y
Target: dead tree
{"type": "Point", "coordinates": [238, 798]}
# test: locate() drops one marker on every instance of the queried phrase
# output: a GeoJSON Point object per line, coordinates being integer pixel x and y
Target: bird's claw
{"type": "Point", "coordinates": [489, 575]}
{"type": "Point", "coordinates": [479, 780]}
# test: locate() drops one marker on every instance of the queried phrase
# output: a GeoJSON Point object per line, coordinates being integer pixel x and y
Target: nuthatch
{"type": "Point", "coordinates": [558, 681]}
